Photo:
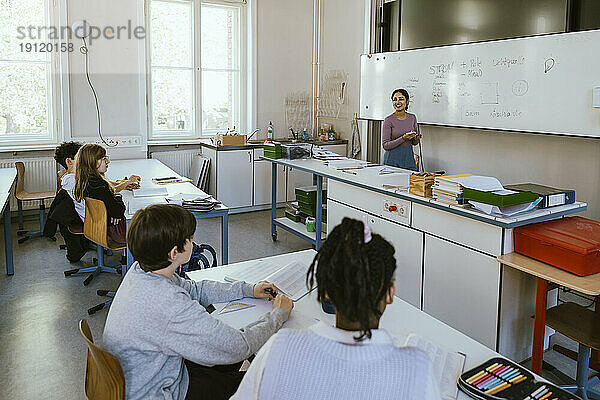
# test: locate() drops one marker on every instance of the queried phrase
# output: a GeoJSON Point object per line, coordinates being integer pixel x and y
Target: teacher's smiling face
{"type": "Point", "coordinates": [400, 102]}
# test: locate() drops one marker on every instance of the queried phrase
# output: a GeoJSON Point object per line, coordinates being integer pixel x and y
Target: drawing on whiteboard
{"type": "Point", "coordinates": [548, 64]}
{"type": "Point", "coordinates": [489, 93]}
{"type": "Point", "coordinates": [520, 87]}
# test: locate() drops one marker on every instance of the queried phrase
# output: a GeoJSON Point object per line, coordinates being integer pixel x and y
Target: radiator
{"type": "Point", "coordinates": [179, 161]}
{"type": "Point", "coordinates": [40, 176]}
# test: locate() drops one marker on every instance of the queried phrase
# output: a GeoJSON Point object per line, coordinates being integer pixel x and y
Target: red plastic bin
{"type": "Point", "coordinates": [571, 244]}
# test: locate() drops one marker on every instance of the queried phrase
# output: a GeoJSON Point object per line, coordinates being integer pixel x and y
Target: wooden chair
{"type": "Point", "coordinates": [583, 326]}
{"type": "Point", "coordinates": [22, 195]}
{"type": "Point", "coordinates": [95, 228]}
{"type": "Point", "coordinates": [104, 379]}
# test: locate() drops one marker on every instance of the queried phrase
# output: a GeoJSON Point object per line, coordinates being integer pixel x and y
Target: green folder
{"type": "Point", "coordinates": [500, 200]}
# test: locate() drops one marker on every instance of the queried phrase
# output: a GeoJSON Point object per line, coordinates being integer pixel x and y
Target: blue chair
{"type": "Point", "coordinates": [95, 228]}
{"type": "Point", "coordinates": [583, 326]}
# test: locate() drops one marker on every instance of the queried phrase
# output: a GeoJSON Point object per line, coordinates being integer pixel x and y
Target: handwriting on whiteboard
{"type": "Point", "coordinates": [508, 62]}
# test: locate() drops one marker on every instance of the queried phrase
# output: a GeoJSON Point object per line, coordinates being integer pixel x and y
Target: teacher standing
{"type": "Point", "coordinates": [399, 133]}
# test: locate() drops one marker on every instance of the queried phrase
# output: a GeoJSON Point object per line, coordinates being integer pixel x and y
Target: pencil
{"type": "Point", "coordinates": [545, 396]}
{"type": "Point", "coordinates": [498, 388]}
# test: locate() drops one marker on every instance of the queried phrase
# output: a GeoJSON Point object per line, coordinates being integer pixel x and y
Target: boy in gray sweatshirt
{"type": "Point", "coordinates": [158, 320]}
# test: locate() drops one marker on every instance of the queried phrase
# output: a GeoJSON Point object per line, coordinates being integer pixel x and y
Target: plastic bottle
{"type": "Point", "coordinates": [270, 130]}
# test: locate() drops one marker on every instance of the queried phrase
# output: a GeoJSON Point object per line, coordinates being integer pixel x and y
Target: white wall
{"type": "Point", "coordinates": [558, 161]}
{"type": "Point", "coordinates": [341, 46]}
{"type": "Point", "coordinates": [117, 71]}
{"type": "Point", "coordinates": [284, 58]}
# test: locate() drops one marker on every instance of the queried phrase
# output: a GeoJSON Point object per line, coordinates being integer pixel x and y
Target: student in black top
{"type": "Point", "coordinates": [91, 163]}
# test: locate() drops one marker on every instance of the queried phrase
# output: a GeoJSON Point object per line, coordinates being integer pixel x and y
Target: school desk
{"type": "Point", "coordinates": [147, 169]}
{"type": "Point", "coordinates": [7, 180]}
{"type": "Point", "coordinates": [548, 278]}
{"type": "Point", "coordinates": [399, 319]}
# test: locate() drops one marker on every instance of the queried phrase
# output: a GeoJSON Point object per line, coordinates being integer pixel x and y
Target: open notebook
{"type": "Point", "coordinates": [290, 279]}
{"type": "Point", "coordinates": [447, 366]}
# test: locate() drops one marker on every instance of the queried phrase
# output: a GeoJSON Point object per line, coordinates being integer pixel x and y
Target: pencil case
{"type": "Point", "coordinates": [502, 379]}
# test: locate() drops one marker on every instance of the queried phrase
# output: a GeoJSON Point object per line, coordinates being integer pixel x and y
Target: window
{"type": "Point", "coordinates": [195, 80]}
{"type": "Point", "coordinates": [30, 87]}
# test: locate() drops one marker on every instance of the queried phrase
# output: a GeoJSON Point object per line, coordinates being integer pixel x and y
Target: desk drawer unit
{"type": "Point", "coordinates": [458, 229]}
{"type": "Point", "coordinates": [381, 205]}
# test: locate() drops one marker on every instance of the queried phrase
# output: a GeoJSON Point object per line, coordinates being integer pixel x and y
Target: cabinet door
{"type": "Point", "coordinates": [461, 287]}
{"type": "Point", "coordinates": [263, 180]}
{"type": "Point", "coordinates": [234, 175]}
{"type": "Point", "coordinates": [407, 243]}
{"type": "Point", "coordinates": [297, 178]}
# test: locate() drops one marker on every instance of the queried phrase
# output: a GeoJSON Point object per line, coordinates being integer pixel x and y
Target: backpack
{"type": "Point", "coordinates": [198, 260]}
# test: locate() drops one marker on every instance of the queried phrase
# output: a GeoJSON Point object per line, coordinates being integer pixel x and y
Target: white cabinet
{"type": "Point", "coordinates": [461, 287]}
{"type": "Point", "coordinates": [408, 245]}
{"type": "Point", "coordinates": [235, 178]}
{"type": "Point", "coordinates": [263, 180]}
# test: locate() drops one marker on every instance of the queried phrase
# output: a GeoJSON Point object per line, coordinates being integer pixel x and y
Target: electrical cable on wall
{"type": "Point", "coordinates": [77, 27]}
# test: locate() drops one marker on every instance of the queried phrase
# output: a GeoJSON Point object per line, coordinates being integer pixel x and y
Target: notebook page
{"type": "Point", "coordinates": [447, 366]}
{"type": "Point", "coordinates": [255, 272]}
{"type": "Point", "coordinates": [291, 280]}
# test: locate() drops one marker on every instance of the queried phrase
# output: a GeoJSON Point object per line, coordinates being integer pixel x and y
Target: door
{"type": "Point", "coordinates": [408, 246]}
{"type": "Point", "coordinates": [263, 181]}
{"type": "Point", "coordinates": [234, 175]}
{"type": "Point", "coordinates": [461, 287]}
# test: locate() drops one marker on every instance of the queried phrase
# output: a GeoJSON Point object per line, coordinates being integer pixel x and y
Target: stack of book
{"type": "Point", "coordinates": [204, 205]}
{"type": "Point", "coordinates": [447, 189]}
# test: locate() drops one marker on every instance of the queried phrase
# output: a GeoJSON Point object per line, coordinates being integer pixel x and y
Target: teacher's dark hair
{"type": "Point", "coordinates": [404, 93]}
{"type": "Point", "coordinates": [355, 276]}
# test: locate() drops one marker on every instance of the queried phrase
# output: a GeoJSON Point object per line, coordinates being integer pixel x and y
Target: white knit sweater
{"type": "Point", "coordinates": [324, 362]}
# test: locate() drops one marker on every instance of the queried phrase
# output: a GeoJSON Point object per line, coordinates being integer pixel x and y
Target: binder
{"type": "Point", "coordinates": [501, 198]}
{"type": "Point", "coordinates": [550, 196]}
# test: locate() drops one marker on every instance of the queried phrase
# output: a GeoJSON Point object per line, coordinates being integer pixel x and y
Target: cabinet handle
{"type": "Point", "coordinates": [249, 157]}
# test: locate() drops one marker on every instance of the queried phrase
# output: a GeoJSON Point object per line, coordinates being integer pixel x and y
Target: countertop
{"type": "Point", "coordinates": [257, 145]}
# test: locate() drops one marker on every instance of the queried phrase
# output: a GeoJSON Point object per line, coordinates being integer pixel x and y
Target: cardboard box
{"type": "Point", "coordinates": [230, 140]}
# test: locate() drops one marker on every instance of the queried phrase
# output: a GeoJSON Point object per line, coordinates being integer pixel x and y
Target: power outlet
{"type": "Point", "coordinates": [119, 141]}
{"type": "Point", "coordinates": [394, 207]}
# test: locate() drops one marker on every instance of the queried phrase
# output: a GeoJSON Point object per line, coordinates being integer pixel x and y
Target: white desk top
{"type": "Point", "coordinates": [147, 169]}
{"type": "Point", "coordinates": [400, 318]}
{"type": "Point", "coordinates": [367, 180]}
{"type": "Point", "coordinates": [7, 178]}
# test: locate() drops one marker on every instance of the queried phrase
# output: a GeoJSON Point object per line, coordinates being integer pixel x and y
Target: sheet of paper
{"type": "Point", "coordinates": [256, 272]}
{"type": "Point", "coordinates": [138, 203]}
{"type": "Point", "coordinates": [291, 280]}
{"type": "Point", "coordinates": [246, 316]}
{"type": "Point", "coordinates": [483, 183]}
{"type": "Point", "coordinates": [506, 211]}
{"type": "Point", "coordinates": [447, 366]}
{"type": "Point", "coordinates": [150, 191]}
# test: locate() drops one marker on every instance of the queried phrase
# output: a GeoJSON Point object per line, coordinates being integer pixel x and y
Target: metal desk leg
{"type": "Point", "coordinates": [319, 211]}
{"type": "Point", "coordinates": [225, 239]}
{"type": "Point", "coordinates": [129, 255]}
{"type": "Point", "coordinates": [273, 201]}
{"type": "Point", "coordinates": [539, 326]}
{"type": "Point", "coordinates": [8, 240]}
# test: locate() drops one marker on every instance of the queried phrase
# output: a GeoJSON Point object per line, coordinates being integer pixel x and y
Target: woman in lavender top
{"type": "Point", "coordinates": [400, 131]}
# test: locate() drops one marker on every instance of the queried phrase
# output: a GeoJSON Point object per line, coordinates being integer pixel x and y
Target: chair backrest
{"type": "Point", "coordinates": [104, 379]}
{"type": "Point", "coordinates": [20, 189]}
{"type": "Point", "coordinates": [95, 225]}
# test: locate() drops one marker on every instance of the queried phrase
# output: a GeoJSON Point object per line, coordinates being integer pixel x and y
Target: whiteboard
{"type": "Point", "coordinates": [534, 84]}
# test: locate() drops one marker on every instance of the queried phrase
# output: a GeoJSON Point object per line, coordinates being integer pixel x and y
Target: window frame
{"type": "Point", "coordinates": [239, 105]}
{"type": "Point", "coordinates": [57, 100]}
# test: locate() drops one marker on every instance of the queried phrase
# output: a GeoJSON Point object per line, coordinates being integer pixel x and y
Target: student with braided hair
{"type": "Point", "coordinates": [353, 270]}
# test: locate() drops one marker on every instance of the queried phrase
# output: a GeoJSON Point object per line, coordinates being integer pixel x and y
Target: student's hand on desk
{"type": "Point", "coordinates": [260, 293]}
{"type": "Point", "coordinates": [284, 302]}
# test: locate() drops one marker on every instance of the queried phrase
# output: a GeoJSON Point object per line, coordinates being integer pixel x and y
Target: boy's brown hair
{"type": "Point", "coordinates": [155, 230]}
